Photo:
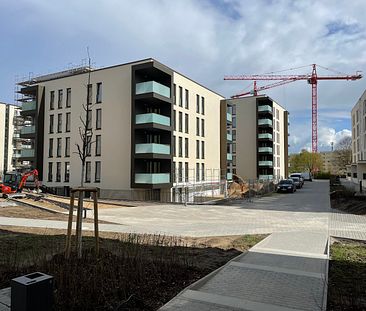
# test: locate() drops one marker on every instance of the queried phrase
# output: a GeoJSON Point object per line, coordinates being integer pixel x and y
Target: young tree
{"type": "Point", "coordinates": [305, 161]}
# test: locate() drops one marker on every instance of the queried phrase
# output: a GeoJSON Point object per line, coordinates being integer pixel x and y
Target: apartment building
{"type": "Point", "coordinates": [153, 130]}
{"type": "Point", "coordinates": [8, 136]}
{"type": "Point", "coordinates": [331, 163]}
{"type": "Point", "coordinates": [257, 138]}
{"type": "Point", "coordinates": [358, 166]}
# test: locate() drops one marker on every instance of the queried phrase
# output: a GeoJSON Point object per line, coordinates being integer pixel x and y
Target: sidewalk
{"type": "Point", "coordinates": [286, 271]}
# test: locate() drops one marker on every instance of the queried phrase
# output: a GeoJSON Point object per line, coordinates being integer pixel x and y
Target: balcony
{"type": "Point", "coordinates": [229, 137]}
{"type": "Point", "coordinates": [29, 106]}
{"type": "Point", "coordinates": [229, 117]}
{"type": "Point", "coordinates": [229, 156]}
{"type": "Point", "coordinates": [16, 155]}
{"type": "Point", "coordinates": [152, 87]}
{"type": "Point", "coordinates": [265, 176]}
{"type": "Point", "coordinates": [265, 163]}
{"type": "Point", "coordinates": [265, 136]}
{"type": "Point", "coordinates": [152, 148]}
{"type": "Point", "coordinates": [154, 178]}
{"type": "Point", "coordinates": [27, 153]}
{"type": "Point", "coordinates": [229, 176]}
{"type": "Point", "coordinates": [265, 108]}
{"type": "Point", "coordinates": [28, 130]}
{"type": "Point", "coordinates": [152, 118]}
{"type": "Point", "coordinates": [265, 122]}
{"type": "Point", "coordinates": [265, 149]}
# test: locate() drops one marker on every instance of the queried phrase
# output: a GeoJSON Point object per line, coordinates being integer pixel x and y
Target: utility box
{"type": "Point", "coordinates": [32, 292]}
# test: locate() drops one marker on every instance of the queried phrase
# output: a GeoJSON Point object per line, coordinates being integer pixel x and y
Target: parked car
{"type": "Point", "coordinates": [302, 180]}
{"type": "Point", "coordinates": [286, 185]}
{"type": "Point", "coordinates": [297, 182]}
{"type": "Point", "coordinates": [307, 176]}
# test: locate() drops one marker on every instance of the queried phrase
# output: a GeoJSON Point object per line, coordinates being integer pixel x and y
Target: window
{"type": "Point", "coordinates": [99, 93]}
{"type": "Point", "coordinates": [68, 97]}
{"type": "Point", "coordinates": [364, 176]}
{"type": "Point", "coordinates": [234, 122]}
{"type": "Point", "coordinates": [60, 95]}
{"type": "Point", "coordinates": [98, 145]}
{"type": "Point", "coordinates": [180, 146]}
{"type": "Point", "coordinates": [67, 146]}
{"type": "Point", "coordinates": [202, 149]}
{"type": "Point", "coordinates": [197, 172]}
{"type": "Point", "coordinates": [180, 171]}
{"type": "Point", "coordinates": [187, 99]}
{"type": "Point", "coordinates": [203, 128]}
{"type": "Point", "coordinates": [202, 105]}
{"type": "Point", "coordinates": [51, 123]}
{"type": "Point", "coordinates": [174, 173]}
{"type": "Point", "coordinates": [174, 94]}
{"type": "Point", "coordinates": [89, 119]}
{"type": "Point", "coordinates": [88, 145]}
{"type": "Point", "coordinates": [175, 120]}
{"type": "Point", "coordinates": [68, 121]}
{"type": "Point", "coordinates": [50, 148]}
{"type": "Point", "coordinates": [58, 152]}
{"type": "Point", "coordinates": [59, 123]}
{"type": "Point", "coordinates": [186, 125]}
{"type": "Point", "coordinates": [186, 171]}
{"type": "Point", "coordinates": [97, 171]}
{"type": "Point", "coordinates": [87, 171]}
{"type": "Point", "coordinates": [52, 100]}
{"type": "Point", "coordinates": [90, 94]}
{"type": "Point", "coordinates": [58, 171]}
{"type": "Point", "coordinates": [67, 172]}
{"type": "Point", "coordinates": [174, 146]}
{"type": "Point", "coordinates": [180, 121]}
{"type": "Point", "coordinates": [197, 103]}
{"type": "Point", "coordinates": [186, 147]}
{"type": "Point", "coordinates": [50, 165]}
{"type": "Point", "coordinates": [197, 126]}
{"type": "Point", "coordinates": [180, 97]}
{"type": "Point", "coordinates": [203, 171]}
{"type": "Point", "coordinates": [197, 149]}
{"type": "Point", "coordinates": [98, 123]}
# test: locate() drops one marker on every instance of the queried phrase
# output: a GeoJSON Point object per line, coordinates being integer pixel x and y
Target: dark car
{"type": "Point", "coordinates": [299, 175]}
{"type": "Point", "coordinates": [286, 185]}
{"type": "Point", "coordinates": [297, 182]}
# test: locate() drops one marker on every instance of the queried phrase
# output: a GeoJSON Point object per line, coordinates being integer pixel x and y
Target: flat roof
{"type": "Point", "coordinates": [258, 96]}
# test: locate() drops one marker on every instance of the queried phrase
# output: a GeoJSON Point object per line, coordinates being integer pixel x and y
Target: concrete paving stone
{"type": "Point", "coordinates": [5, 299]}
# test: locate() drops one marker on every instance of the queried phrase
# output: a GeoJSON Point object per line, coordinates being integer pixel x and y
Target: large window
{"type": "Point", "coordinates": [202, 105]}
{"type": "Point", "coordinates": [89, 119]}
{"type": "Point", "coordinates": [88, 145]}
{"type": "Point", "coordinates": [180, 147]}
{"type": "Point", "coordinates": [186, 150]}
{"type": "Point", "coordinates": [99, 93]}
{"type": "Point", "coordinates": [174, 146]}
{"type": "Point", "coordinates": [50, 166]}
{"type": "Point", "coordinates": [67, 172]}
{"type": "Point", "coordinates": [98, 124]}
{"type": "Point", "coordinates": [197, 149]}
{"type": "Point", "coordinates": [186, 123]}
{"type": "Point", "coordinates": [58, 152]}
{"type": "Point", "coordinates": [197, 126]}
{"type": "Point", "coordinates": [60, 97]}
{"type": "Point", "coordinates": [175, 120]}
{"type": "Point", "coordinates": [52, 100]}
{"type": "Point", "coordinates": [68, 121]}
{"type": "Point", "coordinates": [174, 94]}
{"type": "Point", "coordinates": [197, 172]}
{"type": "Point", "coordinates": [197, 103]}
{"type": "Point", "coordinates": [51, 123]}
{"type": "Point", "coordinates": [203, 171]}
{"type": "Point", "coordinates": [202, 149]}
{"type": "Point", "coordinates": [97, 171]}
{"type": "Point", "coordinates": [180, 172]}
{"type": "Point", "coordinates": [202, 128]}
{"type": "Point", "coordinates": [187, 99]}
{"type": "Point", "coordinates": [98, 145]}
{"type": "Point", "coordinates": [68, 97]}
{"type": "Point", "coordinates": [186, 172]}
{"type": "Point", "coordinates": [67, 146]}
{"type": "Point", "coordinates": [87, 171]}
{"type": "Point", "coordinates": [50, 148]}
{"type": "Point", "coordinates": [180, 97]}
{"type": "Point", "coordinates": [90, 93]}
{"type": "Point", "coordinates": [58, 171]}
{"type": "Point", "coordinates": [59, 123]}
{"type": "Point", "coordinates": [180, 121]}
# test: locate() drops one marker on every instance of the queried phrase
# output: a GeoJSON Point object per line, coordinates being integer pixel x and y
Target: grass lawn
{"type": "Point", "coordinates": [133, 272]}
{"type": "Point", "coordinates": [347, 276]}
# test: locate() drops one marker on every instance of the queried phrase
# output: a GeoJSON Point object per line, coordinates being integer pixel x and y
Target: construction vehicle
{"type": "Point", "coordinates": [13, 182]}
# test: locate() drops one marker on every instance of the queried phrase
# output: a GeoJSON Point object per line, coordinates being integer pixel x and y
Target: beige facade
{"type": "Point", "coordinates": [120, 98]}
{"type": "Point", "coordinates": [259, 133]}
{"type": "Point", "coordinates": [358, 115]}
{"type": "Point", "coordinates": [330, 163]}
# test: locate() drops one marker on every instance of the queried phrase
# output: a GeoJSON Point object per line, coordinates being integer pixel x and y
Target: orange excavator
{"type": "Point", "coordinates": [13, 182]}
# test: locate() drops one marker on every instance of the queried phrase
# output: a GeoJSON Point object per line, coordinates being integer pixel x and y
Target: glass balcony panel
{"type": "Point", "coordinates": [28, 129]}
{"type": "Point", "coordinates": [152, 148]}
{"type": "Point", "coordinates": [265, 122]}
{"type": "Point", "coordinates": [265, 135]}
{"type": "Point", "coordinates": [27, 153]}
{"type": "Point", "coordinates": [229, 117]}
{"type": "Point", "coordinates": [152, 87]}
{"type": "Point", "coordinates": [229, 156]}
{"type": "Point", "coordinates": [229, 176]}
{"type": "Point", "coordinates": [27, 106]}
{"type": "Point", "coordinates": [265, 163]}
{"type": "Point", "coordinates": [265, 108]}
{"type": "Point", "coordinates": [152, 118]}
{"type": "Point", "coordinates": [265, 176]}
{"type": "Point", "coordinates": [229, 137]}
{"type": "Point", "coordinates": [155, 178]}
{"type": "Point", "coordinates": [265, 149]}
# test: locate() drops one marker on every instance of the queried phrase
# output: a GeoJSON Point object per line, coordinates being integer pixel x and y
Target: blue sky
{"type": "Point", "coordinates": [204, 40]}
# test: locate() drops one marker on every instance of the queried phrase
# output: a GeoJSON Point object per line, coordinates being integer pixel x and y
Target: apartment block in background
{"type": "Point", "coordinates": [8, 137]}
{"type": "Point", "coordinates": [154, 130]}
{"type": "Point", "coordinates": [257, 138]}
{"type": "Point", "coordinates": [358, 166]}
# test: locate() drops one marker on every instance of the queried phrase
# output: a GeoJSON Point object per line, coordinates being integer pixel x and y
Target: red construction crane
{"type": "Point", "coordinates": [284, 79]}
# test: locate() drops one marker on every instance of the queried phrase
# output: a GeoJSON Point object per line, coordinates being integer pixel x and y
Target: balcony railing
{"type": "Point", "coordinates": [152, 148]}
{"type": "Point", "coordinates": [265, 122]}
{"type": "Point", "coordinates": [152, 118]}
{"type": "Point", "coordinates": [152, 87]}
{"type": "Point", "coordinates": [229, 176]}
{"type": "Point", "coordinates": [265, 136]}
{"type": "Point", "coordinates": [265, 149]}
{"type": "Point", "coordinates": [229, 156]}
{"type": "Point", "coordinates": [154, 178]}
{"type": "Point", "coordinates": [28, 129]}
{"type": "Point", "coordinates": [264, 108]}
{"type": "Point", "coordinates": [27, 153]}
{"type": "Point", "coordinates": [229, 117]}
{"type": "Point", "coordinates": [265, 176]}
{"type": "Point", "coordinates": [28, 106]}
{"type": "Point", "coordinates": [265, 163]}
{"type": "Point", "coordinates": [229, 137]}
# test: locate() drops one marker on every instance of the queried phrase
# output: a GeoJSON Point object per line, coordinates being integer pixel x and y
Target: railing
{"type": "Point", "coordinates": [152, 87]}
{"type": "Point", "coordinates": [229, 156]}
{"type": "Point", "coordinates": [152, 118]}
{"type": "Point", "coordinates": [264, 108]}
{"type": "Point", "coordinates": [265, 122]}
{"type": "Point", "coordinates": [265, 176]}
{"type": "Point", "coordinates": [229, 176]}
{"type": "Point", "coordinates": [229, 117]}
{"type": "Point", "coordinates": [154, 178]}
{"type": "Point", "coordinates": [27, 153]}
{"type": "Point", "coordinates": [152, 148]}
{"type": "Point", "coordinates": [265, 163]}
{"type": "Point", "coordinates": [265, 149]}
{"type": "Point", "coordinates": [28, 106]}
{"type": "Point", "coordinates": [28, 129]}
{"type": "Point", "coordinates": [229, 137]}
{"type": "Point", "coordinates": [265, 136]}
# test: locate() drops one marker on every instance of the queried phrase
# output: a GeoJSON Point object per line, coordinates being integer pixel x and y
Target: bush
{"type": "Point", "coordinates": [322, 175]}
